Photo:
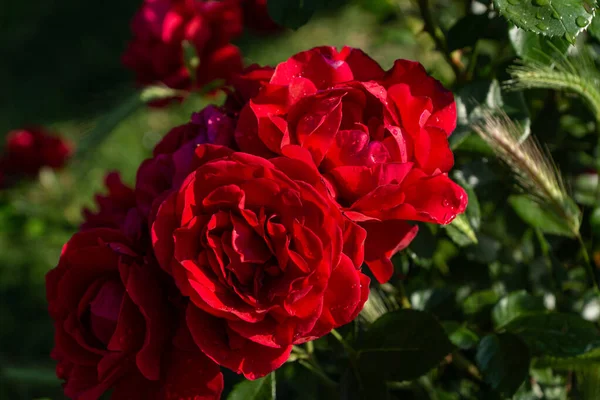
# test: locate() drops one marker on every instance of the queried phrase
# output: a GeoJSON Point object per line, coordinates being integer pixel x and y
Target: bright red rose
{"type": "Point", "coordinates": [378, 137]}
{"type": "Point", "coordinates": [172, 156]}
{"type": "Point", "coordinates": [257, 18]}
{"type": "Point", "coordinates": [160, 28]}
{"type": "Point", "coordinates": [267, 261]}
{"type": "Point", "coordinates": [28, 150]}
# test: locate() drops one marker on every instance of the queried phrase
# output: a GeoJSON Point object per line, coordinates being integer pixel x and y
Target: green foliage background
{"type": "Point", "coordinates": [511, 305]}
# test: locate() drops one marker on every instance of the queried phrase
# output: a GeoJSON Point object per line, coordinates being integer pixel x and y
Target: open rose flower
{"type": "Point", "coordinates": [28, 150]}
{"type": "Point", "coordinates": [267, 261]}
{"type": "Point", "coordinates": [113, 325]}
{"type": "Point", "coordinates": [161, 27]}
{"type": "Point", "coordinates": [378, 137]}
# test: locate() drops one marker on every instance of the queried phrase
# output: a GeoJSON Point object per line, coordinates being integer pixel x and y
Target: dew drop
{"type": "Point", "coordinates": [542, 27]}
{"type": "Point", "coordinates": [539, 15]}
{"type": "Point", "coordinates": [541, 2]}
{"type": "Point", "coordinates": [555, 15]}
{"type": "Point", "coordinates": [581, 21]}
{"type": "Point", "coordinates": [445, 203]}
{"type": "Point", "coordinates": [513, 2]}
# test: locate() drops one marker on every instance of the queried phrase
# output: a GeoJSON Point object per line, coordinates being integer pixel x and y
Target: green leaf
{"type": "Point", "coordinates": [532, 47]}
{"type": "Point", "coordinates": [403, 345]}
{"type": "Point", "coordinates": [470, 28]}
{"type": "Point", "coordinates": [555, 334]}
{"type": "Point", "coordinates": [567, 18]}
{"type": "Point", "coordinates": [591, 357]}
{"type": "Point", "coordinates": [503, 360]}
{"type": "Point", "coordinates": [291, 13]}
{"type": "Point", "coordinates": [480, 301]}
{"type": "Point", "coordinates": [461, 232]}
{"type": "Point", "coordinates": [588, 380]}
{"type": "Point", "coordinates": [515, 305]}
{"type": "Point", "coordinates": [460, 335]}
{"type": "Point", "coordinates": [259, 389]}
{"type": "Point", "coordinates": [537, 216]}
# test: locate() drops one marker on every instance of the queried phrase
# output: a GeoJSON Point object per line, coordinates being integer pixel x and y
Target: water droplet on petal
{"type": "Point", "coordinates": [581, 22]}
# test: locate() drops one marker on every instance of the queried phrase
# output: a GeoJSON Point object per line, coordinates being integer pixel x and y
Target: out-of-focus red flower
{"type": "Point", "coordinates": [378, 137]}
{"type": "Point", "coordinates": [256, 17]}
{"type": "Point", "coordinates": [160, 29]}
{"type": "Point", "coordinates": [28, 150]}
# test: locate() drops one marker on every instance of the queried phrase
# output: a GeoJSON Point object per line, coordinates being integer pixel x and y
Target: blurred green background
{"type": "Point", "coordinates": [61, 69]}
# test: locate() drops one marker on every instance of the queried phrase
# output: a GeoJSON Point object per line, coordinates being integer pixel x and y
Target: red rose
{"type": "Point", "coordinates": [161, 26]}
{"type": "Point", "coordinates": [116, 210]}
{"type": "Point", "coordinates": [379, 138]}
{"type": "Point", "coordinates": [246, 85]}
{"type": "Point", "coordinates": [257, 18]}
{"type": "Point", "coordinates": [112, 325]}
{"type": "Point", "coordinates": [262, 257]}
{"type": "Point", "coordinates": [172, 156]}
{"type": "Point", "coordinates": [28, 150]}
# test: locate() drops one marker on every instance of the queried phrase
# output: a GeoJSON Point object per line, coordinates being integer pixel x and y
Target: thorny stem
{"type": "Point", "coordinates": [438, 38]}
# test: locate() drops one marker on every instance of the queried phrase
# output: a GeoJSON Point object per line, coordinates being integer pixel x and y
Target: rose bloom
{"type": "Point", "coordinates": [267, 261]}
{"type": "Point", "coordinates": [113, 325]}
{"type": "Point", "coordinates": [28, 150]}
{"type": "Point", "coordinates": [173, 154]}
{"type": "Point", "coordinates": [117, 209]}
{"type": "Point", "coordinates": [160, 28]}
{"type": "Point", "coordinates": [379, 139]}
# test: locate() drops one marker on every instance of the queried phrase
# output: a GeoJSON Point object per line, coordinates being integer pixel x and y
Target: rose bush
{"type": "Point", "coordinates": [230, 258]}
{"type": "Point", "coordinates": [262, 258]}
{"type": "Point", "coordinates": [378, 137]}
{"type": "Point", "coordinates": [161, 27]}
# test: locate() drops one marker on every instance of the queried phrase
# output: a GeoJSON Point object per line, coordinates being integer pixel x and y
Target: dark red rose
{"type": "Point", "coordinates": [256, 17]}
{"type": "Point", "coordinates": [115, 210]}
{"type": "Point", "coordinates": [246, 85]}
{"type": "Point", "coordinates": [160, 29]}
{"type": "Point", "coordinates": [267, 261]}
{"type": "Point", "coordinates": [28, 150]}
{"type": "Point", "coordinates": [113, 325]}
{"type": "Point", "coordinates": [379, 138]}
{"type": "Point", "coordinates": [172, 156]}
